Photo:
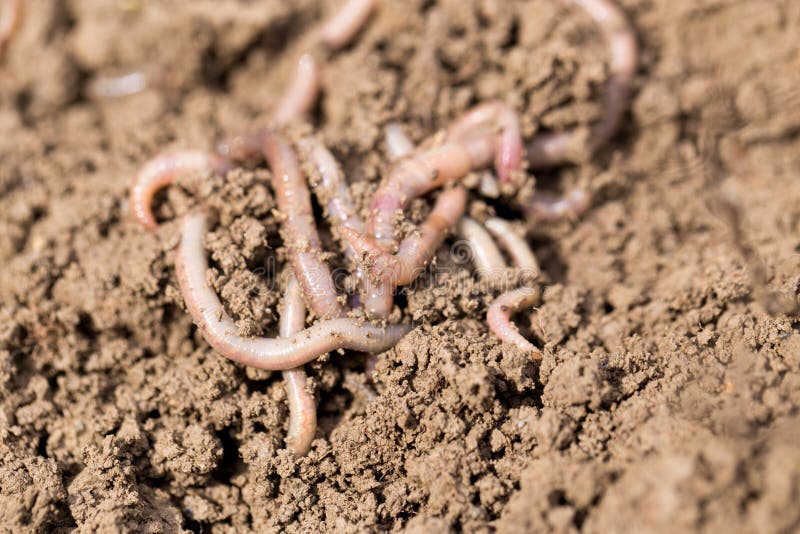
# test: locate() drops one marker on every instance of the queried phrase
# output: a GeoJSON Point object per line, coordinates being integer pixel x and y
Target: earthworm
{"type": "Point", "coordinates": [162, 171]}
{"type": "Point", "coordinates": [398, 145]}
{"type": "Point", "coordinates": [472, 142]}
{"type": "Point", "coordinates": [486, 256]}
{"type": "Point", "coordinates": [340, 29]}
{"type": "Point", "coordinates": [298, 228]}
{"type": "Point", "coordinates": [549, 208]}
{"type": "Point", "coordinates": [413, 177]}
{"type": "Point", "coordinates": [549, 149]}
{"type": "Point", "coordinates": [499, 317]}
{"type": "Point", "coordinates": [10, 11]}
{"type": "Point", "coordinates": [516, 246]}
{"type": "Point", "coordinates": [331, 189]}
{"type": "Point", "coordinates": [280, 354]}
{"type": "Point", "coordinates": [487, 120]}
{"type": "Point", "coordinates": [299, 98]}
{"type": "Point", "coordinates": [302, 408]}
{"type": "Point", "coordinates": [499, 314]}
{"type": "Point", "coordinates": [388, 271]}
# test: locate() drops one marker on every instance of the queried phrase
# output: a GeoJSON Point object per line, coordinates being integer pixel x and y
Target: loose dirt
{"type": "Point", "coordinates": [667, 397]}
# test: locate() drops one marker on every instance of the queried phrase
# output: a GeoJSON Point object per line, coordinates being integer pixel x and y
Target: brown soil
{"type": "Point", "coordinates": [667, 397]}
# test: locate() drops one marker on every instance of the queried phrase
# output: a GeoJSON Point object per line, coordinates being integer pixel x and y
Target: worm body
{"type": "Point", "coordinates": [299, 230]}
{"type": "Point", "coordinates": [331, 189]}
{"type": "Point", "coordinates": [346, 23]}
{"type": "Point", "coordinates": [548, 208]}
{"type": "Point", "coordinates": [388, 271]}
{"type": "Point", "coordinates": [160, 172]}
{"type": "Point", "coordinates": [499, 314]}
{"type": "Point", "coordinates": [299, 98]}
{"type": "Point", "coordinates": [550, 149]}
{"type": "Point", "coordinates": [486, 257]}
{"type": "Point", "coordinates": [516, 246]}
{"type": "Point", "coordinates": [281, 354]}
{"type": "Point", "coordinates": [302, 409]}
{"type": "Point", "coordinates": [499, 318]}
{"type": "Point", "coordinates": [498, 122]}
{"type": "Point", "coordinates": [489, 132]}
{"type": "Point", "coordinates": [411, 178]}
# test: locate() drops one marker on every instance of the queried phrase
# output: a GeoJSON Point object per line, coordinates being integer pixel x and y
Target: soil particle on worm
{"type": "Point", "coordinates": [667, 397]}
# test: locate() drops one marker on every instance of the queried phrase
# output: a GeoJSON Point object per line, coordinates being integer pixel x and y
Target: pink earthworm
{"type": "Point", "coordinates": [499, 314]}
{"type": "Point", "coordinates": [398, 144]}
{"type": "Point", "coordinates": [487, 258]}
{"type": "Point", "coordinates": [550, 149]}
{"type": "Point", "coordinates": [387, 271]}
{"type": "Point", "coordinates": [413, 177]}
{"type": "Point", "coordinates": [302, 408]}
{"type": "Point", "coordinates": [10, 14]}
{"type": "Point", "coordinates": [499, 317]}
{"type": "Point", "coordinates": [549, 208]}
{"type": "Point", "coordinates": [473, 142]}
{"type": "Point", "coordinates": [299, 98]}
{"type": "Point", "coordinates": [280, 354]}
{"type": "Point", "coordinates": [162, 171]}
{"type": "Point", "coordinates": [298, 228]}
{"type": "Point", "coordinates": [498, 121]}
{"type": "Point", "coordinates": [488, 261]}
{"type": "Point", "coordinates": [332, 190]}
{"type": "Point", "coordinates": [340, 29]}
{"type": "Point", "coordinates": [516, 246]}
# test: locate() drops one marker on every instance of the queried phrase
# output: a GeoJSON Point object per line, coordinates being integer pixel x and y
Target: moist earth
{"type": "Point", "coordinates": [668, 393]}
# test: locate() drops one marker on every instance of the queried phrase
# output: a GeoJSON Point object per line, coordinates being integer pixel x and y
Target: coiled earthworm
{"type": "Point", "coordinates": [340, 29]}
{"type": "Point", "coordinates": [388, 271]}
{"type": "Point", "coordinates": [544, 207]}
{"type": "Point", "coordinates": [398, 145]}
{"type": "Point", "coordinates": [472, 142]}
{"type": "Point", "coordinates": [497, 121]}
{"type": "Point", "coordinates": [280, 354]}
{"type": "Point", "coordinates": [488, 261]}
{"type": "Point", "coordinates": [516, 246]}
{"type": "Point", "coordinates": [549, 149]}
{"type": "Point", "coordinates": [413, 177]}
{"type": "Point", "coordinates": [10, 14]}
{"type": "Point", "coordinates": [302, 408]}
{"type": "Point", "coordinates": [499, 317]}
{"type": "Point", "coordinates": [162, 171]}
{"type": "Point", "coordinates": [298, 228]}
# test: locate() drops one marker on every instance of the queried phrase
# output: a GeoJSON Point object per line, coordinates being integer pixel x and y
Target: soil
{"type": "Point", "coordinates": [667, 398]}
